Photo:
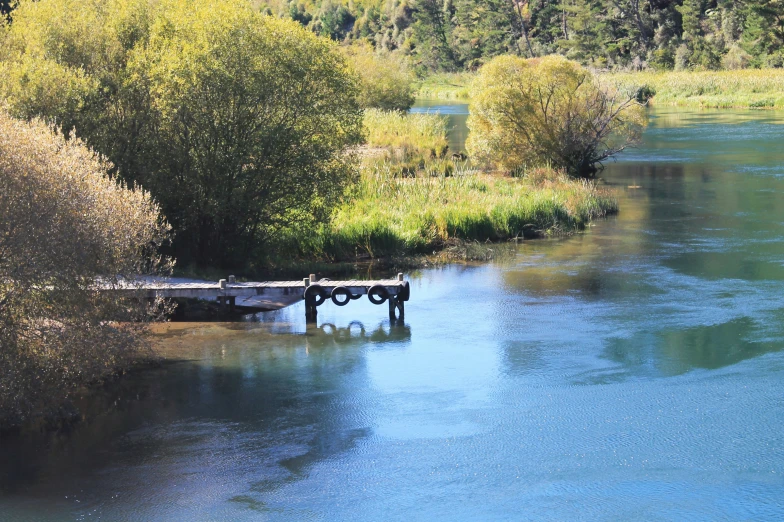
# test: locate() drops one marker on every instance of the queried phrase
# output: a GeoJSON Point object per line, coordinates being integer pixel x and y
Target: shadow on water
{"type": "Point", "coordinates": [277, 401]}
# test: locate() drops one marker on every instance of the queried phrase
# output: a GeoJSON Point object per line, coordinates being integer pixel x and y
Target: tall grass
{"type": "Point", "coordinates": [417, 201]}
{"type": "Point", "coordinates": [446, 86]}
{"type": "Point", "coordinates": [389, 215]}
{"type": "Point", "coordinates": [748, 88]}
{"type": "Point", "coordinates": [414, 134]}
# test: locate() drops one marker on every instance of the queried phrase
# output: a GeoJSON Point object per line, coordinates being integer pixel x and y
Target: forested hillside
{"type": "Point", "coordinates": [463, 34]}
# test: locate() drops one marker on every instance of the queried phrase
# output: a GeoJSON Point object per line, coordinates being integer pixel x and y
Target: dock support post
{"type": "Point", "coordinates": [232, 303]}
{"type": "Point", "coordinates": [310, 313]}
{"type": "Point", "coordinates": [396, 304]}
{"type": "Point", "coordinates": [310, 308]}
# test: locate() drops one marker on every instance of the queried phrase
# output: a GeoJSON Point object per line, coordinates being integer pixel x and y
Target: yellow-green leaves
{"type": "Point", "coordinates": [548, 111]}
{"type": "Point", "coordinates": [236, 122]}
{"type": "Point", "coordinates": [386, 81]}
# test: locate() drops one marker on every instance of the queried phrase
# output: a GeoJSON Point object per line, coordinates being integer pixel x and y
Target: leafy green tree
{"type": "Point", "coordinates": [486, 28]}
{"type": "Point", "coordinates": [635, 22]}
{"type": "Point", "coordinates": [235, 121]}
{"type": "Point", "coordinates": [334, 21]}
{"type": "Point", "coordinates": [583, 32]}
{"type": "Point", "coordinates": [698, 52]}
{"type": "Point", "coordinates": [529, 113]}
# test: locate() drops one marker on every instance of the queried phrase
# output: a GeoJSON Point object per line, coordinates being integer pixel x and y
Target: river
{"type": "Point", "coordinates": [633, 372]}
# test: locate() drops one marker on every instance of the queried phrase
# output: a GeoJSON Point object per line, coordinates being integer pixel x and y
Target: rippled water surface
{"type": "Point", "coordinates": [633, 372]}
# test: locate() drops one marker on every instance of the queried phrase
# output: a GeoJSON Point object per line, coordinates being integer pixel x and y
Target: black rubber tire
{"type": "Point", "coordinates": [405, 293]}
{"type": "Point", "coordinates": [338, 291]}
{"type": "Point", "coordinates": [315, 295]}
{"type": "Point", "coordinates": [378, 291]}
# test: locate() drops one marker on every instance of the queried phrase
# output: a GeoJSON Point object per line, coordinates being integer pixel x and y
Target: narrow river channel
{"type": "Point", "coordinates": [633, 372]}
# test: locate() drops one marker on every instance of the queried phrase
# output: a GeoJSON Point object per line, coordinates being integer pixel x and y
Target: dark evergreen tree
{"type": "Point", "coordinates": [433, 34]}
{"type": "Point", "coordinates": [630, 34]}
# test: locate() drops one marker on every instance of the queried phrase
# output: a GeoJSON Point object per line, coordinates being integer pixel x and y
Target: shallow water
{"type": "Point", "coordinates": [629, 373]}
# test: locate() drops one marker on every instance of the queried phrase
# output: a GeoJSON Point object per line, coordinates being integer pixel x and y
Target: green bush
{"type": "Point", "coordinates": [236, 122]}
{"type": "Point", "coordinates": [548, 111]}
{"type": "Point", "coordinates": [385, 79]}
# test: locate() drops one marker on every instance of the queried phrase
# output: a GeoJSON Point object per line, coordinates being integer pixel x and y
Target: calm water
{"type": "Point", "coordinates": [630, 373]}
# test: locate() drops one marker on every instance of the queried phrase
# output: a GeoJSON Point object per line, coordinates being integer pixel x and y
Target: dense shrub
{"type": "Point", "coordinates": [235, 121]}
{"type": "Point", "coordinates": [548, 111]}
{"type": "Point", "coordinates": [385, 79]}
{"type": "Point", "coordinates": [736, 58]}
{"type": "Point", "coordinates": [64, 223]}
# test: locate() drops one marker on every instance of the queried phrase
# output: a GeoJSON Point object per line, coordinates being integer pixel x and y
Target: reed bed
{"type": "Point", "coordinates": [413, 134]}
{"type": "Point", "coordinates": [446, 86]}
{"type": "Point", "coordinates": [748, 88]}
{"type": "Point", "coordinates": [412, 200]}
{"type": "Point", "coordinates": [388, 215]}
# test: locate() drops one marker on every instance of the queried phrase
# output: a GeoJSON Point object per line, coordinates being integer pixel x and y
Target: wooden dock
{"type": "Point", "coordinates": [271, 295]}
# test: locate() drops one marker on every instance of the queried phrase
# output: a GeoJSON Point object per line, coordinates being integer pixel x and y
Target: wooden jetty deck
{"type": "Point", "coordinates": [273, 295]}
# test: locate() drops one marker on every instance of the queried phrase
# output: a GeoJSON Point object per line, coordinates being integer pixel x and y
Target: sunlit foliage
{"type": "Point", "coordinates": [385, 79]}
{"type": "Point", "coordinates": [393, 215]}
{"type": "Point", "coordinates": [449, 35]}
{"type": "Point", "coordinates": [421, 134]}
{"type": "Point", "coordinates": [64, 223]}
{"type": "Point", "coordinates": [548, 111]}
{"type": "Point", "coordinates": [750, 88]}
{"type": "Point", "coordinates": [235, 121]}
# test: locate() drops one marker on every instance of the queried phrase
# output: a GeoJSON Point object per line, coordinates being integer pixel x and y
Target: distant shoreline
{"type": "Point", "coordinates": [738, 89]}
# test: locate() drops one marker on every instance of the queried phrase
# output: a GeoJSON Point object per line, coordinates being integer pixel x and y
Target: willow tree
{"type": "Point", "coordinates": [549, 111]}
{"type": "Point", "coordinates": [235, 121]}
{"type": "Point", "coordinates": [65, 228]}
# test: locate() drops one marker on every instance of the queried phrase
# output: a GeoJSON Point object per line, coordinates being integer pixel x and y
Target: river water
{"type": "Point", "coordinates": [633, 372]}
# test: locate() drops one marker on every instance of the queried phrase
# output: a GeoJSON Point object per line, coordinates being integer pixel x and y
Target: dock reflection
{"type": "Point", "coordinates": [355, 333]}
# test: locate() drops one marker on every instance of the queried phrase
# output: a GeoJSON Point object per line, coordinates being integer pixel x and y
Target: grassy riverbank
{"type": "Point", "coordinates": [411, 201]}
{"type": "Point", "coordinates": [446, 86]}
{"type": "Point", "coordinates": [390, 215]}
{"type": "Point", "coordinates": [746, 89]}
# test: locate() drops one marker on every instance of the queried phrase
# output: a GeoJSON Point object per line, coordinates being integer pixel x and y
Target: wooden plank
{"type": "Point", "coordinates": [197, 290]}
